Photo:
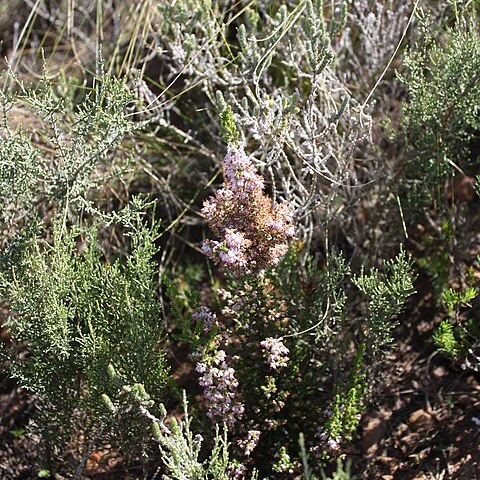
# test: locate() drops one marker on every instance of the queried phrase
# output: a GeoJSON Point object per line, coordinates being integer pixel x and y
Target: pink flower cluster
{"type": "Point", "coordinates": [205, 315]}
{"type": "Point", "coordinates": [232, 252]}
{"type": "Point", "coordinates": [240, 174]}
{"type": "Point", "coordinates": [331, 445]}
{"type": "Point", "coordinates": [249, 444]}
{"type": "Point", "coordinates": [237, 470]}
{"type": "Point", "coordinates": [252, 232]}
{"type": "Point", "coordinates": [220, 388]}
{"type": "Point", "coordinates": [276, 352]}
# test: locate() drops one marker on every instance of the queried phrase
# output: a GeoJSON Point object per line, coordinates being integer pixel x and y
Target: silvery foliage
{"type": "Point", "coordinates": [377, 28]}
{"type": "Point", "coordinates": [297, 76]}
{"type": "Point", "coordinates": [294, 111]}
{"type": "Point", "coordinates": [76, 152]}
{"type": "Point", "coordinates": [180, 449]}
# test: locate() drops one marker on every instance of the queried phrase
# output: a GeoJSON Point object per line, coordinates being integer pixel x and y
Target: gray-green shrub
{"type": "Point", "coordinates": [441, 116]}
{"type": "Point", "coordinates": [82, 327]}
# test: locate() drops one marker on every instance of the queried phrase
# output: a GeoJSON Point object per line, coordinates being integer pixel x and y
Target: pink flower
{"type": "Point", "coordinates": [220, 384]}
{"type": "Point", "coordinates": [276, 352]}
{"type": "Point", "coordinates": [205, 315]}
{"type": "Point", "coordinates": [239, 171]}
{"type": "Point", "coordinates": [235, 239]}
{"type": "Point", "coordinates": [248, 445]}
{"type": "Point", "coordinates": [277, 253]}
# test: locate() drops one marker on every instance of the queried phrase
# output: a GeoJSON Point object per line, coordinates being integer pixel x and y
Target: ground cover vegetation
{"type": "Point", "coordinates": [239, 239]}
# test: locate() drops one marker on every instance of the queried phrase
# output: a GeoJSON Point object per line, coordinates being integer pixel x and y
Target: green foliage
{"type": "Point", "coordinates": [386, 298]}
{"type": "Point", "coordinates": [445, 340]}
{"type": "Point", "coordinates": [442, 114]}
{"type": "Point", "coordinates": [228, 129]}
{"type": "Point", "coordinates": [453, 299]}
{"type": "Point", "coordinates": [348, 402]}
{"type": "Point", "coordinates": [318, 297]}
{"type": "Point", "coordinates": [89, 327]}
{"type": "Point", "coordinates": [457, 336]}
{"type": "Point", "coordinates": [18, 432]}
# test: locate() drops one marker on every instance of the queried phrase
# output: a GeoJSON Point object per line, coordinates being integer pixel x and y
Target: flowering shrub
{"type": "Point", "coordinates": [281, 358]}
{"type": "Point", "coordinates": [285, 345]}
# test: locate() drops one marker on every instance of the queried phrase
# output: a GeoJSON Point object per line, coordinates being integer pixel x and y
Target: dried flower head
{"type": "Point", "coordinates": [252, 231]}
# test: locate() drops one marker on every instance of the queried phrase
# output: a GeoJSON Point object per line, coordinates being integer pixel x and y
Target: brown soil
{"type": "Point", "coordinates": [422, 426]}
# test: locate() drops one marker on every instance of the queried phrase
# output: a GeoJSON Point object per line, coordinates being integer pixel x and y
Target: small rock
{"type": "Point", "coordinates": [420, 418]}
{"type": "Point", "coordinates": [373, 432]}
{"type": "Point", "coordinates": [471, 381]}
{"type": "Point", "coordinates": [440, 372]}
